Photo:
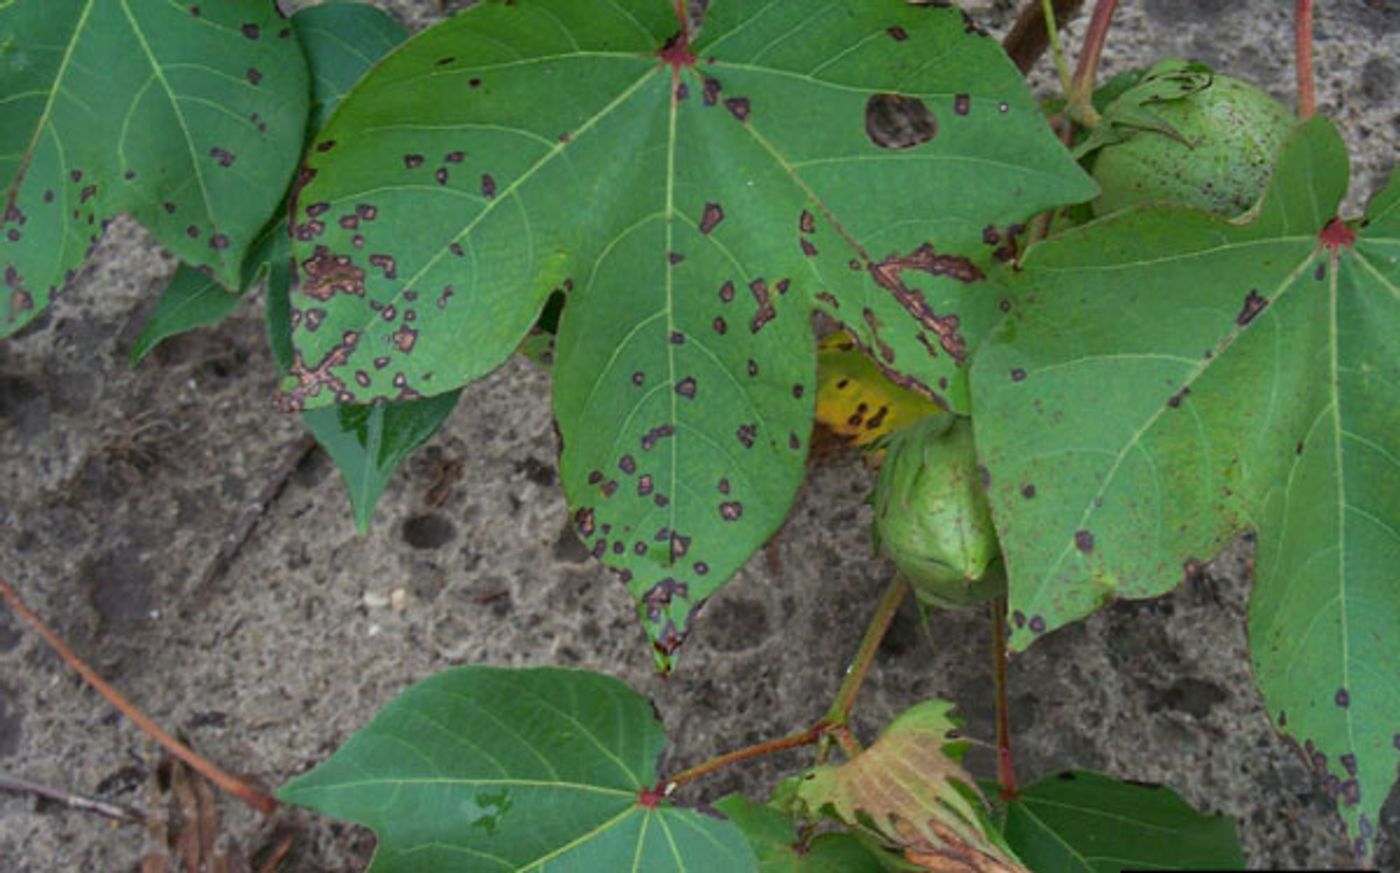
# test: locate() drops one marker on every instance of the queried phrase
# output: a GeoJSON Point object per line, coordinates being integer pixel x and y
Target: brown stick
{"type": "Point", "coordinates": [1094, 38]}
{"type": "Point", "coordinates": [233, 785]}
{"type": "Point", "coordinates": [1029, 37]}
{"type": "Point", "coordinates": [73, 801]}
{"type": "Point", "coordinates": [792, 741]}
{"type": "Point", "coordinates": [1006, 766]}
{"type": "Point", "coordinates": [1303, 52]}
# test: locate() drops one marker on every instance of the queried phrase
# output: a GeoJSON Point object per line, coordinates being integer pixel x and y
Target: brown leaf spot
{"type": "Point", "coordinates": [1342, 698]}
{"type": "Point", "coordinates": [1253, 305]}
{"type": "Point", "coordinates": [488, 186]}
{"type": "Point", "coordinates": [655, 435]}
{"type": "Point", "coordinates": [962, 103]}
{"type": "Point", "coordinates": [644, 485]}
{"type": "Point", "coordinates": [719, 325]}
{"type": "Point", "coordinates": [894, 121]}
{"type": "Point", "coordinates": [710, 93]}
{"type": "Point", "coordinates": [897, 33]}
{"type": "Point", "coordinates": [404, 338]}
{"type": "Point", "coordinates": [738, 107]}
{"type": "Point", "coordinates": [731, 511]}
{"type": "Point", "coordinates": [328, 274]}
{"type": "Point", "coordinates": [385, 263]}
{"type": "Point", "coordinates": [254, 75]}
{"type": "Point", "coordinates": [711, 217]}
{"type": "Point", "coordinates": [746, 434]}
{"type": "Point", "coordinates": [412, 162]}
{"type": "Point", "coordinates": [888, 274]}
{"type": "Point", "coordinates": [686, 387]}
{"type": "Point", "coordinates": [252, 31]}
{"type": "Point", "coordinates": [726, 292]}
{"type": "Point", "coordinates": [766, 312]}
{"type": "Point", "coordinates": [1084, 541]}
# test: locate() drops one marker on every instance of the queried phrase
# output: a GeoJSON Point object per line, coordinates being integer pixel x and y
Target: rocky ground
{"type": "Point", "coordinates": [121, 485]}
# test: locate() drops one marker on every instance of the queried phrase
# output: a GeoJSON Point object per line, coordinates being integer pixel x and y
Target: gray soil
{"type": "Point", "coordinates": [121, 485]}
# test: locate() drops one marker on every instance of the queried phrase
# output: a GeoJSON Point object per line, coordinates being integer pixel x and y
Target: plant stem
{"type": "Point", "coordinates": [233, 785]}
{"type": "Point", "coordinates": [1006, 765]}
{"type": "Point", "coordinates": [72, 801]}
{"type": "Point", "coordinates": [1029, 37]}
{"type": "Point", "coordinates": [792, 741]}
{"type": "Point", "coordinates": [840, 711]}
{"type": "Point", "coordinates": [1052, 31]}
{"type": "Point", "coordinates": [1303, 52]}
{"type": "Point", "coordinates": [833, 726]}
{"type": "Point", "coordinates": [1087, 71]}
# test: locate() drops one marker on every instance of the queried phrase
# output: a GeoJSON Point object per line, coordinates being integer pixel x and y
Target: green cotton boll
{"type": "Point", "coordinates": [1214, 149]}
{"type": "Point", "coordinates": [932, 517]}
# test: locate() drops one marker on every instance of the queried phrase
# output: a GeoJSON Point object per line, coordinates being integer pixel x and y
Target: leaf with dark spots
{"type": "Point", "coordinates": [106, 110]}
{"type": "Point", "coordinates": [680, 214]}
{"type": "Point", "coordinates": [497, 754]}
{"type": "Point", "coordinates": [1285, 426]}
{"type": "Point", "coordinates": [894, 121]}
{"type": "Point", "coordinates": [193, 298]}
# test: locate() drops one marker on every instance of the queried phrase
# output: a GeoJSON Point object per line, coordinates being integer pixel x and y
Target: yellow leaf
{"type": "Point", "coordinates": [854, 399]}
{"type": "Point", "coordinates": [909, 788]}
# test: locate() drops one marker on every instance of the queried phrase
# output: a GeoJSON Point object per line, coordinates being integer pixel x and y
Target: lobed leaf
{"type": "Point", "coordinates": [1079, 822]}
{"type": "Point", "coordinates": [1167, 380]}
{"type": "Point", "coordinates": [910, 790]}
{"type": "Point", "coordinates": [482, 768]}
{"type": "Point", "coordinates": [697, 195]}
{"type": "Point", "coordinates": [188, 116]}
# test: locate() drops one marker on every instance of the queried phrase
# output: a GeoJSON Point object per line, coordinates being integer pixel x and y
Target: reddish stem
{"type": "Point", "coordinates": [233, 785]}
{"type": "Point", "coordinates": [1303, 52]}
{"type": "Point", "coordinates": [1006, 765]}
{"type": "Point", "coordinates": [1087, 70]}
{"type": "Point", "coordinates": [792, 741]}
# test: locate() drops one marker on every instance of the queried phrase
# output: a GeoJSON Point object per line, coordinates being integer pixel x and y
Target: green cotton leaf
{"type": "Point", "coordinates": [189, 117]}
{"type": "Point", "coordinates": [484, 768]}
{"type": "Point", "coordinates": [1079, 822]}
{"type": "Point", "coordinates": [367, 443]}
{"type": "Point", "coordinates": [1167, 380]}
{"type": "Point", "coordinates": [191, 300]}
{"type": "Point", "coordinates": [697, 196]}
{"type": "Point", "coordinates": [779, 850]}
{"type": "Point", "coordinates": [341, 41]}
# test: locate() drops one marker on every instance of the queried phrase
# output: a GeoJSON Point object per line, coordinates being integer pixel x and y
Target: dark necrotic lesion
{"type": "Point", "coordinates": [894, 121]}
